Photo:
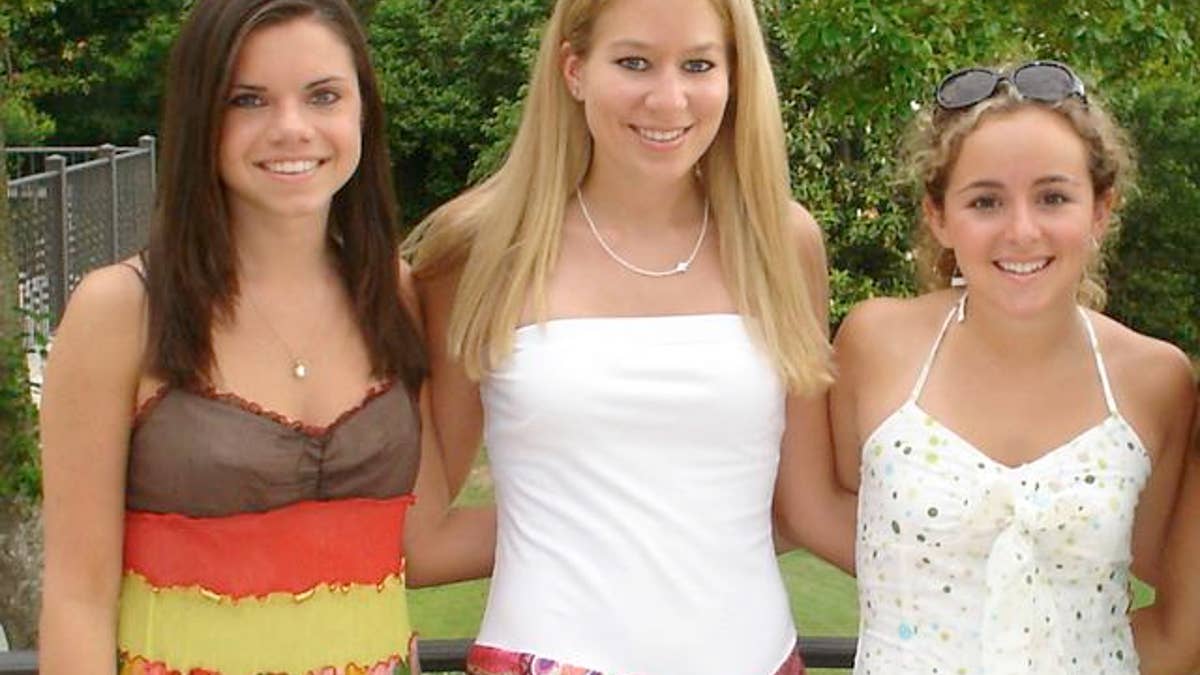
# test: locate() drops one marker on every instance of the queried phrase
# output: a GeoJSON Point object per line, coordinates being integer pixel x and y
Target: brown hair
{"type": "Point", "coordinates": [932, 147]}
{"type": "Point", "coordinates": [191, 266]}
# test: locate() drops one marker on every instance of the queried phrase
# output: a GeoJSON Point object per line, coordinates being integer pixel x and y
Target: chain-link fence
{"type": "Point", "coordinates": [75, 209]}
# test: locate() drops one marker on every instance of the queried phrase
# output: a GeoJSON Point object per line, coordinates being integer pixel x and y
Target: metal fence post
{"type": "Point", "coordinates": [56, 239]}
{"type": "Point", "coordinates": [149, 143]}
{"type": "Point", "coordinates": [109, 152]}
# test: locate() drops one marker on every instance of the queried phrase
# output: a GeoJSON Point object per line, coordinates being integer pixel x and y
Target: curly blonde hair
{"type": "Point", "coordinates": [932, 147]}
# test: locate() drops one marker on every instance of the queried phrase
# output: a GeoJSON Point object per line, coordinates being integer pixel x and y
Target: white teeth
{"type": "Point", "coordinates": [1023, 267]}
{"type": "Point", "coordinates": [661, 136]}
{"type": "Point", "coordinates": [291, 166]}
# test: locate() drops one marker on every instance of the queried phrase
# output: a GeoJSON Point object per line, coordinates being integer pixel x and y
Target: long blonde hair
{"type": "Point", "coordinates": [504, 233]}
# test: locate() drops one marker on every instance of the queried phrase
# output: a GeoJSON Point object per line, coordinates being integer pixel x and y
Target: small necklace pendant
{"type": "Point", "coordinates": [299, 370]}
{"type": "Point", "coordinates": [681, 267]}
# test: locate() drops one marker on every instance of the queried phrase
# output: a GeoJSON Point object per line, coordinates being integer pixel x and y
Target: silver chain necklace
{"type": "Point", "coordinates": [679, 268]}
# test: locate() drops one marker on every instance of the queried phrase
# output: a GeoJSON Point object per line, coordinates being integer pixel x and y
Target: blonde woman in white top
{"type": "Point", "coordinates": [631, 313]}
{"type": "Point", "coordinates": [1015, 451]}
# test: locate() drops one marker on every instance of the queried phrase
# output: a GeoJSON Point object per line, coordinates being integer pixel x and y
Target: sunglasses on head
{"type": "Point", "coordinates": [1045, 81]}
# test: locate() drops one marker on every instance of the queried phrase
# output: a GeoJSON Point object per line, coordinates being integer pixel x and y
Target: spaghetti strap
{"type": "Point", "coordinates": [920, 384]}
{"type": "Point", "coordinates": [137, 270]}
{"type": "Point", "coordinates": [1109, 399]}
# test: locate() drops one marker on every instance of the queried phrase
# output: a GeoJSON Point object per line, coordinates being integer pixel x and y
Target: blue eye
{"type": "Point", "coordinates": [698, 65]}
{"type": "Point", "coordinates": [247, 100]}
{"type": "Point", "coordinates": [634, 63]}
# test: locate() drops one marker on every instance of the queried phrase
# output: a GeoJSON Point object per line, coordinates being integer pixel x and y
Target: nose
{"type": "Point", "coordinates": [669, 91]}
{"type": "Point", "coordinates": [1023, 226]}
{"type": "Point", "coordinates": [291, 123]}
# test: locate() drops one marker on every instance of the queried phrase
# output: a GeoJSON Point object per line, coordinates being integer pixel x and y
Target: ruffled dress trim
{"type": "Point", "coordinates": [232, 399]}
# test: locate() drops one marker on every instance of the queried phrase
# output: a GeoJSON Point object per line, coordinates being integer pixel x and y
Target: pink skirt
{"type": "Point", "coordinates": [483, 660]}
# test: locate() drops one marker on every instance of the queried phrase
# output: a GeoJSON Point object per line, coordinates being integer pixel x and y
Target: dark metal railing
{"type": "Point", "coordinates": [449, 656]}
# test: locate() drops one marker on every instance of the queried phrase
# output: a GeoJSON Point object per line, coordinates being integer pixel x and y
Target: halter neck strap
{"type": "Point", "coordinates": [1109, 399]}
{"type": "Point", "coordinates": [955, 311]}
{"type": "Point", "coordinates": [956, 314]}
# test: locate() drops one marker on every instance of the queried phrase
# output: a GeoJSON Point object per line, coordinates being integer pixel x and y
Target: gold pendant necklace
{"type": "Point", "coordinates": [299, 367]}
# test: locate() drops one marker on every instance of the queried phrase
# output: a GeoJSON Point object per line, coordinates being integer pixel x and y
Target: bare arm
{"type": "Point", "coordinates": [811, 508]}
{"type": "Point", "coordinates": [456, 410]}
{"type": "Point", "coordinates": [443, 543]}
{"type": "Point", "coordinates": [843, 398]}
{"type": "Point", "coordinates": [87, 407]}
{"type": "Point", "coordinates": [1165, 634]}
{"type": "Point", "coordinates": [1167, 390]}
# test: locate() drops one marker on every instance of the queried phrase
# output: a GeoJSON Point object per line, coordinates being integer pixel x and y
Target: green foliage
{"type": "Point", "coordinates": [1156, 281]}
{"type": "Point", "coordinates": [20, 470]}
{"type": "Point", "coordinates": [96, 67]}
{"type": "Point", "coordinates": [850, 73]}
{"type": "Point", "coordinates": [446, 68]}
{"type": "Point", "coordinates": [22, 123]}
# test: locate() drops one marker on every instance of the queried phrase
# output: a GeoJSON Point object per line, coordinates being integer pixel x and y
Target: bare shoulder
{"type": "Point", "coordinates": [1152, 379]}
{"type": "Point", "coordinates": [434, 286]}
{"type": "Point", "coordinates": [900, 319]}
{"type": "Point", "coordinates": [895, 332]}
{"type": "Point", "coordinates": [409, 297]}
{"type": "Point", "coordinates": [1139, 357]}
{"type": "Point", "coordinates": [112, 296]}
{"type": "Point", "coordinates": [804, 229]}
{"type": "Point", "coordinates": [100, 342]}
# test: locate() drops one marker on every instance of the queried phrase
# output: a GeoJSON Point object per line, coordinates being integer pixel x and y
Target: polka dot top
{"type": "Point", "coordinates": [967, 566]}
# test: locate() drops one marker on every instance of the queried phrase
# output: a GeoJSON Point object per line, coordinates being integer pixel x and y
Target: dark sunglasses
{"type": "Point", "coordinates": [1045, 81]}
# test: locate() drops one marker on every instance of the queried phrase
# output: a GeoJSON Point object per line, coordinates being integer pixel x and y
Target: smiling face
{"type": "Point", "coordinates": [291, 132]}
{"type": "Point", "coordinates": [654, 86]}
{"type": "Point", "coordinates": [1020, 211]}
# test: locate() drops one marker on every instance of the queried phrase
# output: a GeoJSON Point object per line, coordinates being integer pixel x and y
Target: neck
{"type": "Point", "coordinates": [290, 251]}
{"type": "Point", "coordinates": [626, 202]}
{"type": "Point", "coordinates": [1024, 340]}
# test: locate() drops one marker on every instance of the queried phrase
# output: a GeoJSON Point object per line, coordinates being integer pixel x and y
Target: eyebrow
{"type": "Point", "coordinates": [311, 85]}
{"type": "Point", "coordinates": [632, 43]}
{"type": "Point", "coordinates": [997, 185]}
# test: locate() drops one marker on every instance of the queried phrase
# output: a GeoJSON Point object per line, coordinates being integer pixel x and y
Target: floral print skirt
{"type": "Point", "coordinates": [483, 660]}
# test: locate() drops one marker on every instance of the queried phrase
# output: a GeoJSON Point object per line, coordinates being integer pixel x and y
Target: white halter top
{"type": "Point", "coordinates": [968, 566]}
{"type": "Point", "coordinates": [634, 462]}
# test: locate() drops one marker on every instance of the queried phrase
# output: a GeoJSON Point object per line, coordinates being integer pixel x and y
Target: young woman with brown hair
{"type": "Point", "coordinates": [233, 424]}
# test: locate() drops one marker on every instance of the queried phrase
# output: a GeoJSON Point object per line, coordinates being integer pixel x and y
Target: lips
{"type": "Point", "coordinates": [1023, 267]}
{"type": "Point", "coordinates": [291, 167]}
{"type": "Point", "coordinates": [661, 135]}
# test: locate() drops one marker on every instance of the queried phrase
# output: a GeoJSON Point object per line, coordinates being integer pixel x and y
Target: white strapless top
{"type": "Point", "coordinates": [634, 461]}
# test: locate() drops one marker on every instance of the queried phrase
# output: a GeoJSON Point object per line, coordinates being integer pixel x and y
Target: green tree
{"type": "Point", "coordinates": [97, 67]}
{"type": "Point", "coordinates": [445, 68]}
{"type": "Point", "coordinates": [852, 72]}
{"type": "Point", "coordinates": [1155, 279]}
{"type": "Point", "coordinates": [20, 122]}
